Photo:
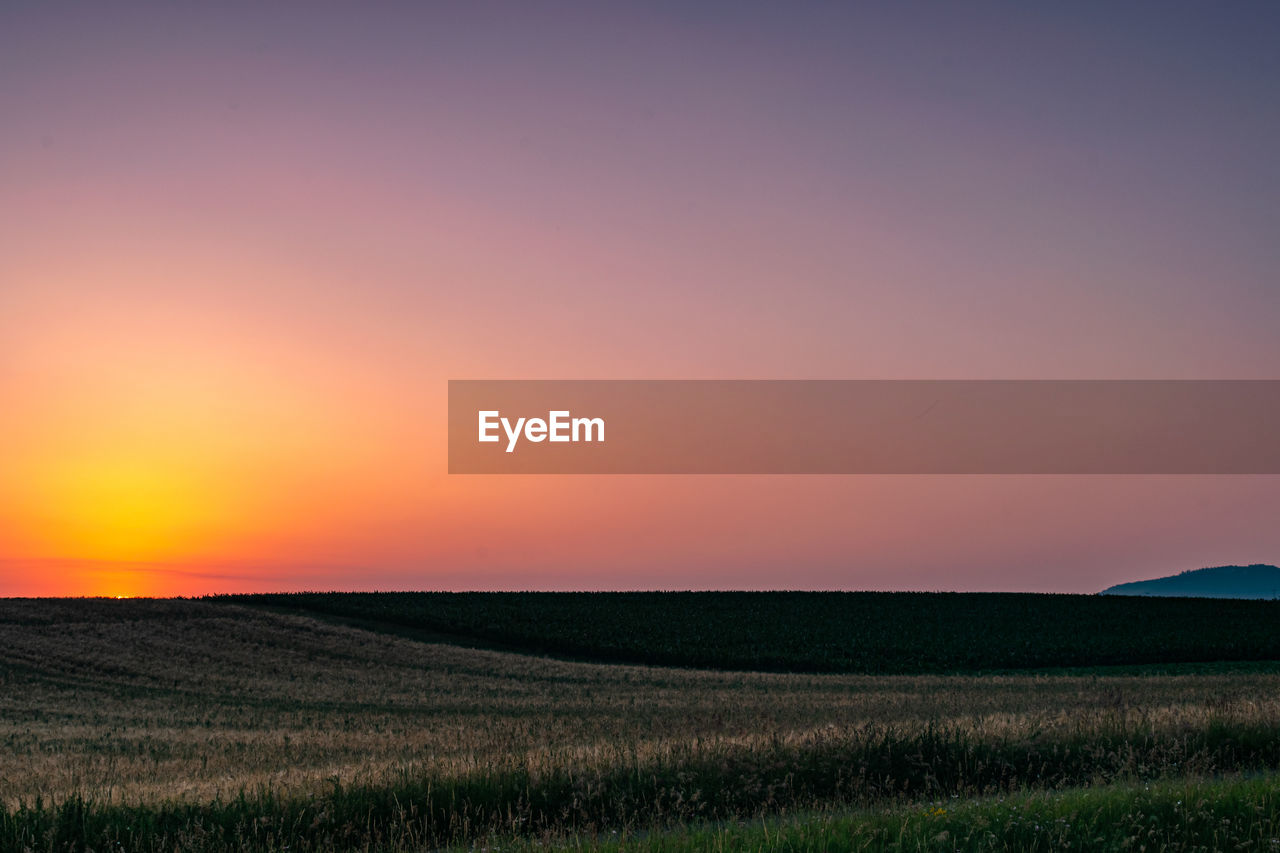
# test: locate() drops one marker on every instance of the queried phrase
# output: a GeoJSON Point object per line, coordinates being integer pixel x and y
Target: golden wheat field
{"type": "Point", "coordinates": [142, 701]}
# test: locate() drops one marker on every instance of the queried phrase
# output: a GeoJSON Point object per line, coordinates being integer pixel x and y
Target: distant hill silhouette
{"type": "Point", "coordinates": [1256, 581]}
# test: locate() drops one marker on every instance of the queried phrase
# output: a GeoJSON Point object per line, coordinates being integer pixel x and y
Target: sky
{"type": "Point", "coordinates": [243, 249]}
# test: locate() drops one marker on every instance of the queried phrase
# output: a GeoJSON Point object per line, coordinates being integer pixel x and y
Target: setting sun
{"type": "Point", "coordinates": [126, 510]}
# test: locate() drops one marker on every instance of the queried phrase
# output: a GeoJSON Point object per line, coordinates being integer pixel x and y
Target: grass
{"type": "Point", "coordinates": [822, 631]}
{"type": "Point", "coordinates": [633, 796]}
{"type": "Point", "coordinates": [160, 725]}
{"type": "Point", "coordinates": [1190, 815]}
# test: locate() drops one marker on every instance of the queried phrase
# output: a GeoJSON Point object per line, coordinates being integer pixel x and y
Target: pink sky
{"type": "Point", "coordinates": [242, 253]}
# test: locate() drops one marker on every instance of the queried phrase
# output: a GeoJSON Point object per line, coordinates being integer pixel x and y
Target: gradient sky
{"type": "Point", "coordinates": [242, 250]}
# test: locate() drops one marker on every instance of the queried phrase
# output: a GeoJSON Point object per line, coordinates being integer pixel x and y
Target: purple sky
{"type": "Point", "coordinates": [242, 250]}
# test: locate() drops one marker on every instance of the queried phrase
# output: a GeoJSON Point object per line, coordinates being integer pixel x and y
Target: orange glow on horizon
{"type": "Point", "coordinates": [105, 580]}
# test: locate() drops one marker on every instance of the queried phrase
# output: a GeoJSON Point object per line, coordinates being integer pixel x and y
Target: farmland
{"type": "Point", "coordinates": [870, 632]}
{"type": "Point", "coordinates": [210, 725]}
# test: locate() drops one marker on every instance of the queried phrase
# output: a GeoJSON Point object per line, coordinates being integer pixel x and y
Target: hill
{"type": "Point", "coordinates": [863, 632]}
{"type": "Point", "coordinates": [1255, 581]}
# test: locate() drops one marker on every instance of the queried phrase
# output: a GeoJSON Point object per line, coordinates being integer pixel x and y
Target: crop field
{"type": "Point", "coordinates": [872, 632]}
{"type": "Point", "coordinates": [211, 725]}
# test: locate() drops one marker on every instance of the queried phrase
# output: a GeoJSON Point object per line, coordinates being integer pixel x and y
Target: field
{"type": "Point", "coordinates": [873, 632]}
{"type": "Point", "coordinates": [212, 725]}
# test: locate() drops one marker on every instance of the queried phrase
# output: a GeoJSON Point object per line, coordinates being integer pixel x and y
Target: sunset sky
{"type": "Point", "coordinates": [243, 250]}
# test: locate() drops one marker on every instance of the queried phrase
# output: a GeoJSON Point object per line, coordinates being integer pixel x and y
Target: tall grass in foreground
{"type": "Point", "coordinates": [864, 767]}
{"type": "Point", "coordinates": [1233, 814]}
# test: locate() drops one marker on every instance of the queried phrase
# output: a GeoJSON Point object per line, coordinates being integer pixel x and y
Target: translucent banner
{"type": "Point", "coordinates": [864, 427]}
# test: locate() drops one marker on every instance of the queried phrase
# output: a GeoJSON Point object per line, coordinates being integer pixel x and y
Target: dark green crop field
{"type": "Point", "coordinates": [858, 632]}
